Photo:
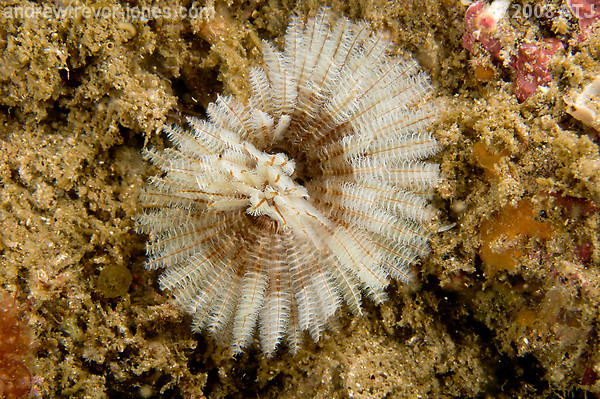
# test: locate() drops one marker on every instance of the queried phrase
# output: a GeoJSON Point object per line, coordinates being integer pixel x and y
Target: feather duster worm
{"type": "Point", "coordinates": [269, 215]}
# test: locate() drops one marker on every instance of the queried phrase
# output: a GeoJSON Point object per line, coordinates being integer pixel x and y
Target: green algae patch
{"type": "Point", "coordinates": [114, 281]}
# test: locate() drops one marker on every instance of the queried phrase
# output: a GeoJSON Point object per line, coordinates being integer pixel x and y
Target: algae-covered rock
{"type": "Point", "coordinates": [81, 96]}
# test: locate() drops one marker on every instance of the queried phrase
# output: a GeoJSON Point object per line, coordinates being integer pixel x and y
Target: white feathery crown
{"type": "Point", "coordinates": [271, 214]}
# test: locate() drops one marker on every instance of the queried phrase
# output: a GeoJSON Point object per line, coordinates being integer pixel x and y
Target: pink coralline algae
{"type": "Point", "coordinates": [485, 31]}
{"type": "Point", "coordinates": [481, 26]}
{"type": "Point", "coordinates": [15, 380]}
{"type": "Point", "coordinates": [532, 67]}
{"type": "Point", "coordinates": [588, 13]}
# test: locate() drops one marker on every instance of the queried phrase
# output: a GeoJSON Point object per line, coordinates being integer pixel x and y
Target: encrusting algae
{"type": "Point", "coordinates": [502, 236]}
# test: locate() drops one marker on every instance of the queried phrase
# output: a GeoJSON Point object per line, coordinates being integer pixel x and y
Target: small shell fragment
{"type": "Point", "coordinates": [585, 106]}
